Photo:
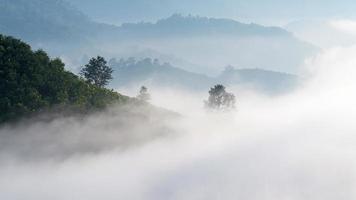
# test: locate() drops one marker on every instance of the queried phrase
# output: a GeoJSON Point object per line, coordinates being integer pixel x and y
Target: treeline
{"type": "Point", "coordinates": [31, 82]}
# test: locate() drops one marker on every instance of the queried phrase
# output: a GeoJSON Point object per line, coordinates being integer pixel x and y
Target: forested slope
{"type": "Point", "coordinates": [30, 82]}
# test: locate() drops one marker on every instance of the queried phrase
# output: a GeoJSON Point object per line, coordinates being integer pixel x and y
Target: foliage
{"type": "Point", "coordinates": [97, 72]}
{"type": "Point", "coordinates": [219, 99]}
{"type": "Point", "coordinates": [143, 94]}
{"type": "Point", "coordinates": [31, 82]}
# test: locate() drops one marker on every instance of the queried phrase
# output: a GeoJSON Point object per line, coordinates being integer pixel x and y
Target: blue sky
{"type": "Point", "coordinates": [260, 11]}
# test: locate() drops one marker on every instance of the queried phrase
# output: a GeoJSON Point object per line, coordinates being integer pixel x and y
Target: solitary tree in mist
{"type": "Point", "coordinates": [97, 72]}
{"type": "Point", "coordinates": [143, 94]}
{"type": "Point", "coordinates": [219, 99]}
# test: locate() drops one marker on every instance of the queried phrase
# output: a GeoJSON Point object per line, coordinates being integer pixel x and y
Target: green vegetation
{"type": "Point", "coordinates": [31, 82]}
{"type": "Point", "coordinates": [97, 72]}
{"type": "Point", "coordinates": [219, 99]}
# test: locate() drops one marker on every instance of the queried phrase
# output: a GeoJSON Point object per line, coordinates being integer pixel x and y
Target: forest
{"type": "Point", "coordinates": [31, 82]}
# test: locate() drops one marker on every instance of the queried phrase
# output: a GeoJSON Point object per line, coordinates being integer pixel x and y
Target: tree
{"type": "Point", "coordinates": [31, 82]}
{"type": "Point", "coordinates": [143, 94]}
{"type": "Point", "coordinates": [97, 72]}
{"type": "Point", "coordinates": [219, 99]}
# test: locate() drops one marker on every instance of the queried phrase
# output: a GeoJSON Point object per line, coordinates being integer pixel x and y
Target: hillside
{"type": "Point", "coordinates": [52, 25]}
{"type": "Point", "coordinates": [43, 20]}
{"type": "Point", "coordinates": [63, 30]}
{"type": "Point", "coordinates": [135, 72]}
{"type": "Point", "coordinates": [263, 80]}
{"type": "Point", "coordinates": [224, 41]}
{"type": "Point", "coordinates": [146, 71]}
{"type": "Point", "coordinates": [31, 82]}
{"type": "Point", "coordinates": [193, 26]}
{"type": "Point", "coordinates": [48, 112]}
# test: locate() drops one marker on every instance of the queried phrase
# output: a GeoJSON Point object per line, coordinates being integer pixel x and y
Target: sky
{"type": "Point", "coordinates": [269, 12]}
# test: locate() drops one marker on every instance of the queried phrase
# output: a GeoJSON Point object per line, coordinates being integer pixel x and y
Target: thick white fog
{"type": "Point", "coordinates": [297, 146]}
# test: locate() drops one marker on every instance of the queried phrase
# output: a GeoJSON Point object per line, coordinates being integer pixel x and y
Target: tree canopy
{"type": "Point", "coordinates": [219, 99]}
{"type": "Point", "coordinates": [97, 72]}
{"type": "Point", "coordinates": [30, 82]}
{"type": "Point", "coordinates": [143, 94]}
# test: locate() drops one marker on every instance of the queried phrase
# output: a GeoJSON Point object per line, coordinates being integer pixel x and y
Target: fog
{"type": "Point", "coordinates": [120, 11]}
{"type": "Point", "coordinates": [284, 54]}
{"type": "Point", "coordinates": [296, 146]}
{"type": "Point", "coordinates": [341, 32]}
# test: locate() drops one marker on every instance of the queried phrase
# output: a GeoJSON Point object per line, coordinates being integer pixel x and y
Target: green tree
{"type": "Point", "coordinates": [97, 72]}
{"type": "Point", "coordinates": [143, 94]}
{"type": "Point", "coordinates": [219, 99]}
{"type": "Point", "coordinates": [31, 82]}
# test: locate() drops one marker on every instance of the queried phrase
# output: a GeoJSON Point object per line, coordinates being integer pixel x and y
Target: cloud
{"type": "Point", "coordinates": [296, 146]}
{"type": "Point", "coordinates": [346, 26]}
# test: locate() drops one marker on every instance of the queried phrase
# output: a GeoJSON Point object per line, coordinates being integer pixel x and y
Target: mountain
{"type": "Point", "coordinates": [204, 43]}
{"type": "Point", "coordinates": [46, 111]}
{"type": "Point", "coordinates": [132, 72]}
{"type": "Point", "coordinates": [211, 42]}
{"type": "Point", "coordinates": [263, 80]}
{"type": "Point", "coordinates": [42, 20]}
{"type": "Point", "coordinates": [193, 26]}
{"type": "Point", "coordinates": [53, 25]}
{"type": "Point", "coordinates": [151, 73]}
{"type": "Point", "coordinates": [266, 11]}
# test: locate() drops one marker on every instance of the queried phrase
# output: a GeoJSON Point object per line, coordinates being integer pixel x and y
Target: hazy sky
{"type": "Point", "coordinates": [260, 11]}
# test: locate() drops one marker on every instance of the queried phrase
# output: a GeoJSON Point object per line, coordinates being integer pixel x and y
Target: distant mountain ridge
{"type": "Point", "coordinates": [179, 25]}
{"type": "Point", "coordinates": [41, 20]}
{"type": "Point", "coordinates": [212, 42]}
{"type": "Point", "coordinates": [152, 72]}
{"type": "Point", "coordinates": [62, 30]}
{"type": "Point", "coordinates": [135, 72]}
{"type": "Point", "coordinates": [263, 80]}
